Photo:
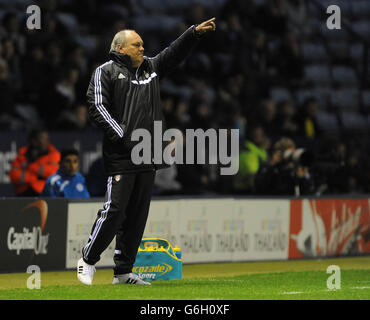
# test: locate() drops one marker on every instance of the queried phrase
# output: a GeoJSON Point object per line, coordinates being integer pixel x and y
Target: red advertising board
{"type": "Point", "coordinates": [329, 227]}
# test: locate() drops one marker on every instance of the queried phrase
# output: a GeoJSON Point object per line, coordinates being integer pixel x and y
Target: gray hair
{"type": "Point", "coordinates": [119, 38]}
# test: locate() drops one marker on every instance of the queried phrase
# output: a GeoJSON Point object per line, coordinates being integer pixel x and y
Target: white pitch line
{"type": "Point", "coordinates": [292, 292]}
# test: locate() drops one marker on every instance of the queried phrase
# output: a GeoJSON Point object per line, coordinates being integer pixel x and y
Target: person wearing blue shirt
{"type": "Point", "coordinates": [67, 182]}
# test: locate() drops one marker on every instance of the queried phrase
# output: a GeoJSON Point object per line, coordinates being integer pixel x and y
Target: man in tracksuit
{"type": "Point", "coordinates": [123, 96]}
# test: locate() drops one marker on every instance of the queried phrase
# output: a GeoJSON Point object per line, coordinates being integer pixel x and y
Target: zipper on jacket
{"type": "Point", "coordinates": [137, 79]}
{"type": "Point", "coordinates": [146, 111]}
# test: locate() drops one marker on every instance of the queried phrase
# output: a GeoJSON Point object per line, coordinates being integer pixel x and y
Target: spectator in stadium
{"type": "Point", "coordinates": [285, 119]}
{"type": "Point", "coordinates": [296, 13]}
{"type": "Point", "coordinates": [257, 66]}
{"type": "Point", "coordinates": [253, 154]}
{"type": "Point", "coordinates": [355, 173]}
{"type": "Point", "coordinates": [273, 17]}
{"type": "Point", "coordinates": [13, 59]}
{"type": "Point", "coordinates": [284, 174]}
{"type": "Point", "coordinates": [8, 116]}
{"type": "Point", "coordinates": [202, 117]}
{"type": "Point", "coordinates": [165, 182]}
{"type": "Point", "coordinates": [228, 100]}
{"type": "Point", "coordinates": [34, 163]}
{"type": "Point", "coordinates": [63, 96]}
{"type": "Point", "coordinates": [35, 75]}
{"type": "Point", "coordinates": [182, 115]}
{"type": "Point", "coordinates": [75, 119]}
{"type": "Point", "coordinates": [169, 108]}
{"type": "Point", "coordinates": [193, 178]}
{"type": "Point", "coordinates": [53, 59]}
{"type": "Point", "coordinates": [10, 29]}
{"type": "Point", "coordinates": [269, 175]}
{"type": "Point", "coordinates": [258, 55]}
{"type": "Point", "coordinates": [307, 119]}
{"type": "Point", "coordinates": [265, 117]}
{"type": "Point", "coordinates": [289, 62]}
{"type": "Point", "coordinates": [67, 182]}
{"type": "Point", "coordinates": [341, 168]}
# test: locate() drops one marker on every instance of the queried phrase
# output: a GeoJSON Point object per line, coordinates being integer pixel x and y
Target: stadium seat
{"type": "Point", "coordinates": [353, 120]}
{"type": "Point", "coordinates": [28, 113]}
{"type": "Point", "coordinates": [339, 50]}
{"type": "Point", "coordinates": [327, 121]}
{"type": "Point", "coordinates": [345, 99]}
{"type": "Point", "coordinates": [318, 74]}
{"type": "Point", "coordinates": [312, 8]}
{"type": "Point", "coordinates": [314, 52]}
{"type": "Point", "coordinates": [333, 35]}
{"type": "Point", "coordinates": [280, 93]}
{"type": "Point", "coordinates": [16, 4]}
{"type": "Point", "coordinates": [362, 27]}
{"type": "Point", "coordinates": [344, 75]}
{"type": "Point", "coordinates": [168, 87]}
{"type": "Point", "coordinates": [207, 3]}
{"type": "Point", "coordinates": [176, 5]}
{"type": "Point", "coordinates": [321, 94]}
{"type": "Point", "coordinates": [356, 51]}
{"type": "Point", "coordinates": [365, 99]}
{"type": "Point", "coordinates": [259, 2]}
{"type": "Point", "coordinates": [360, 8]}
{"type": "Point", "coordinates": [69, 21]}
{"type": "Point", "coordinates": [149, 6]}
{"type": "Point", "coordinates": [88, 43]}
{"type": "Point", "coordinates": [156, 22]}
{"type": "Point", "coordinates": [115, 10]}
{"type": "Point", "coordinates": [314, 24]}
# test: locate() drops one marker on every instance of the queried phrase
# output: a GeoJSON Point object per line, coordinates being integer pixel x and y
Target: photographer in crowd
{"type": "Point", "coordinates": [287, 173]}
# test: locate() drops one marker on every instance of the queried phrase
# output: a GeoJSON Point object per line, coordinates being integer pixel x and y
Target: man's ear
{"type": "Point", "coordinates": [119, 48]}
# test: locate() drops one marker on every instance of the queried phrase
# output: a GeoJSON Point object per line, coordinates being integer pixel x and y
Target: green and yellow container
{"type": "Point", "coordinates": [158, 260]}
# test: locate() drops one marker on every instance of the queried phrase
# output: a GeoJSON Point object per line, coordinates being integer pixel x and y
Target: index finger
{"type": "Point", "coordinates": [210, 20]}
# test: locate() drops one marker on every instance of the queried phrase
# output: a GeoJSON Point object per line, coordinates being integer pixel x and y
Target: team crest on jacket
{"type": "Point", "coordinates": [146, 75]}
{"type": "Point", "coordinates": [117, 177]}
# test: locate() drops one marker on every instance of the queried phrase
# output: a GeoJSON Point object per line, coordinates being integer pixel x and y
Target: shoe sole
{"type": "Point", "coordinates": [138, 284]}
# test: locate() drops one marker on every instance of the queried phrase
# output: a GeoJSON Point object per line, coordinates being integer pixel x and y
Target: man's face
{"type": "Point", "coordinates": [258, 136]}
{"type": "Point", "coordinates": [69, 165]}
{"type": "Point", "coordinates": [134, 47]}
{"type": "Point", "coordinates": [41, 143]}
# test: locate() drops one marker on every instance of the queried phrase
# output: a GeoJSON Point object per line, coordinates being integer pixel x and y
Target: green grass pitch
{"type": "Point", "coordinates": [278, 280]}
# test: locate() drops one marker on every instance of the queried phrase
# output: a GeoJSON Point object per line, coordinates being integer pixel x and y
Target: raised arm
{"type": "Point", "coordinates": [178, 50]}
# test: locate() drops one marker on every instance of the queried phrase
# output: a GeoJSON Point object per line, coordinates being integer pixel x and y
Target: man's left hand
{"type": "Point", "coordinates": [206, 26]}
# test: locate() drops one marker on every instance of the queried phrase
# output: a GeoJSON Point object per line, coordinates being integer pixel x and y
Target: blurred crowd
{"type": "Point", "coordinates": [226, 83]}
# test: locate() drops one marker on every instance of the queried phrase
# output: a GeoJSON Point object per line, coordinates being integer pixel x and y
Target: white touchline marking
{"type": "Point", "coordinates": [360, 287]}
{"type": "Point", "coordinates": [330, 290]}
{"type": "Point", "coordinates": [292, 292]}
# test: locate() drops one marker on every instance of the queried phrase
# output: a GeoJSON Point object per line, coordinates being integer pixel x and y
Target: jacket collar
{"type": "Point", "coordinates": [121, 59]}
{"type": "Point", "coordinates": [124, 60]}
{"type": "Point", "coordinates": [63, 175]}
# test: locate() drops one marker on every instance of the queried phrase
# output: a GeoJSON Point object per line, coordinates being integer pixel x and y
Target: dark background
{"type": "Point", "coordinates": [266, 58]}
{"type": "Point", "coordinates": [12, 215]}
